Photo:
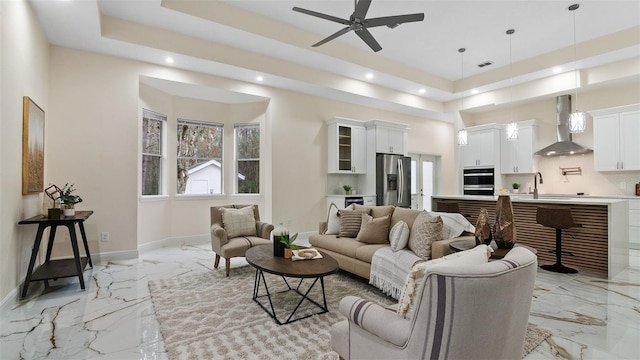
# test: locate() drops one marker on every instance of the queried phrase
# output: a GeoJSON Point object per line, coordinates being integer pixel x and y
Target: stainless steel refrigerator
{"type": "Point", "coordinates": [393, 180]}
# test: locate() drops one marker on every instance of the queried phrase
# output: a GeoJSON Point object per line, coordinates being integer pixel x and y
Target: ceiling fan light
{"type": "Point", "coordinates": [462, 137]}
{"type": "Point", "coordinates": [577, 122]}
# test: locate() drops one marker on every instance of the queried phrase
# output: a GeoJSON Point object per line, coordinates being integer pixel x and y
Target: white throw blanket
{"type": "Point", "coordinates": [389, 270]}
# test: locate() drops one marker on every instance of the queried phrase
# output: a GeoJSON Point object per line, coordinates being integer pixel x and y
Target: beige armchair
{"type": "Point", "coordinates": [462, 312]}
{"type": "Point", "coordinates": [227, 247]}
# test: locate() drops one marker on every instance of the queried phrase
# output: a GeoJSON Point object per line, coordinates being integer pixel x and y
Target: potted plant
{"type": "Point", "coordinates": [516, 188]}
{"type": "Point", "coordinates": [347, 188]}
{"type": "Point", "coordinates": [289, 246]}
{"type": "Point", "coordinates": [68, 200]}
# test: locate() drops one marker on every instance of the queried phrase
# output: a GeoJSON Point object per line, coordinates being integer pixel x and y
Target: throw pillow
{"type": "Point", "coordinates": [426, 229]}
{"type": "Point", "coordinates": [399, 236]}
{"type": "Point", "coordinates": [454, 224]}
{"type": "Point", "coordinates": [239, 222]}
{"type": "Point", "coordinates": [417, 276]}
{"type": "Point", "coordinates": [333, 221]}
{"type": "Point", "coordinates": [374, 231]}
{"type": "Point", "coordinates": [350, 221]}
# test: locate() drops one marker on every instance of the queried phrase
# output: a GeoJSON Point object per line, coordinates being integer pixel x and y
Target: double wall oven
{"type": "Point", "coordinates": [478, 181]}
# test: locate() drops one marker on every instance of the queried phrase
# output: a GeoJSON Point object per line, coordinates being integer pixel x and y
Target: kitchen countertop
{"type": "Point", "coordinates": [546, 199]}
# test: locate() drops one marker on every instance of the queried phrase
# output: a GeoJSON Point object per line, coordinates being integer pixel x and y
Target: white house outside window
{"type": "Point", "coordinates": [247, 141]}
{"type": "Point", "coordinates": [199, 149]}
{"type": "Point", "coordinates": [152, 128]}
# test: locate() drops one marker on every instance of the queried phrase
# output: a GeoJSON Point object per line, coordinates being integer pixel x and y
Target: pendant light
{"type": "Point", "coordinates": [512, 126]}
{"type": "Point", "coordinates": [462, 133]}
{"type": "Point", "coordinates": [577, 119]}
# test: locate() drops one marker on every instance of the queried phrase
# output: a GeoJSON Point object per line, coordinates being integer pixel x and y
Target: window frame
{"type": "Point", "coordinates": [162, 120]}
{"type": "Point", "coordinates": [237, 160]}
{"type": "Point", "coordinates": [180, 121]}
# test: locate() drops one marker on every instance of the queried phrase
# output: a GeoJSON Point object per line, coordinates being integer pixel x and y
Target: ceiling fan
{"type": "Point", "coordinates": [358, 23]}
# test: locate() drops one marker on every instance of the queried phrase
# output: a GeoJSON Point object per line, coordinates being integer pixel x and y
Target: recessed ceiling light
{"type": "Point", "coordinates": [474, 91]}
{"type": "Point", "coordinates": [169, 60]}
{"type": "Point", "coordinates": [259, 78]}
{"type": "Point", "coordinates": [422, 91]}
{"type": "Point", "coordinates": [369, 76]}
{"type": "Point", "coordinates": [557, 70]}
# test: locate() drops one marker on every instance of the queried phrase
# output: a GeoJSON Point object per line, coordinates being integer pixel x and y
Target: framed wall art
{"type": "Point", "coordinates": [32, 147]}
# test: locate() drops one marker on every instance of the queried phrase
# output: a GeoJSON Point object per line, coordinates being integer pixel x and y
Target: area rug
{"type": "Point", "coordinates": [211, 316]}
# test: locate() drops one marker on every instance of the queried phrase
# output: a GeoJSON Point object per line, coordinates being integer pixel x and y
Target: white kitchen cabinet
{"type": "Point", "coordinates": [615, 140]}
{"type": "Point", "coordinates": [516, 156]}
{"type": "Point", "coordinates": [483, 146]}
{"type": "Point", "coordinates": [347, 147]}
{"type": "Point", "coordinates": [390, 138]}
{"type": "Point", "coordinates": [634, 223]}
{"type": "Point", "coordinates": [369, 200]}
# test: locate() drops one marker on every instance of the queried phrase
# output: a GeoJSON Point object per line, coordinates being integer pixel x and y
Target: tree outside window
{"type": "Point", "coordinates": [247, 158]}
{"type": "Point", "coordinates": [199, 157]}
{"type": "Point", "coordinates": [152, 124]}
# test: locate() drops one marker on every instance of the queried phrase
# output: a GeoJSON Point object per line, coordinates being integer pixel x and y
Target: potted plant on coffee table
{"type": "Point", "coordinates": [68, 200]}
{"type": "Point", "coordinates": [289, 246]}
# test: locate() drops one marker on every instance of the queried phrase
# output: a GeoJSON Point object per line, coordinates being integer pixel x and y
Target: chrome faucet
{"type": "Point", "coordinates": [535, 184]}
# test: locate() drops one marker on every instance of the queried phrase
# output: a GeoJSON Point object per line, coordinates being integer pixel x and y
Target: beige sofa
{"type": "Point", "coordinates": [355, 256]}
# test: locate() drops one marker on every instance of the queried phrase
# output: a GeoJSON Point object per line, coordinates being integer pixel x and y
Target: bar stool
{"type": "Point", "coordinates": [558, 218]}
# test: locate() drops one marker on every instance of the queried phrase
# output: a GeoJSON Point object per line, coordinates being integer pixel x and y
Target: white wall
{"type": "Point", "coordinates": [24, 71]}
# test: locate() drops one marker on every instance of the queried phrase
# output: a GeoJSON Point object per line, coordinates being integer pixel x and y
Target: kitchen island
{"type": "Point", "coordinates": [601, 245]}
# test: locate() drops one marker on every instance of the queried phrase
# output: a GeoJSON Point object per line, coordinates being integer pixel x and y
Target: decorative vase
{"type": "Point", "coordinates": [515, 191]}
{"type": "Point", "coordinates": [288, 253]}
{"type": "Point", "coordinates": [504, 229]}
{"type": "Point", "coordinates": [278, 247]}
{"type": "Point", "coordinates": [483, 233]}
{"type": "Point", "coordinates": [69, 212]}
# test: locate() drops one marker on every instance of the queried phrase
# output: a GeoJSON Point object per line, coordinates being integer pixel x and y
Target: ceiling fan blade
{"type": "Point", "coordinates": [322, 16]}
{"type": "Point", "coordinates": [361, 9]}
{"type": "Point", "coordinates": [366, 36]}
{"type": "Point", "coordinates": [393, 21]}
{"type": "Point", "coordinates": [335, 35]}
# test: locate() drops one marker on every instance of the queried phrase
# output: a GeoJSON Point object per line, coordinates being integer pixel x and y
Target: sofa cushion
{"type": "Point", "coordinates": [239, 222]}
{"type": "Point", "coordinates": [365, 253]}
{"type": "Point", "coordinates": [453, 224]}
{"type": "Point", "coordinates": [399, 236]}
{"type": "Point", "coordinates": [406, 215]}
{"type": "Point", "coordinates": [340, 245]}
{"type": "Point", "coordinates": [375, 211]}
{"type": "Point", "coordinates": [374, 231]}
{"type": "Point", "coordinates": [417, 276]}
{"type": "Point", "coordinates": [333, 221]}
{"type": "Point", "coordinates": [426, 230]}
{"type": "Point", "coordinates": [350, 221]}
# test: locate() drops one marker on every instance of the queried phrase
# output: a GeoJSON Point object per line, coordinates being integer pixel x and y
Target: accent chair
{"type": "Point", "coordinates": [241, 230]}
{"type": "Point", "coordinates": [462, 311]}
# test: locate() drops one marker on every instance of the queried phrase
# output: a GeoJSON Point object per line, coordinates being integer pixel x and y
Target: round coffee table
{"type": "Point", "coordinates": [466, 244]}
{"type": "Point", "coordinates": [261, 258]}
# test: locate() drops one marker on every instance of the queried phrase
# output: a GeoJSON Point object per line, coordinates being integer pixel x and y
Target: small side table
{"type": "Point", "coordinates": [55, 269]}
{"type": "Point", "coordinates": [466, 244]}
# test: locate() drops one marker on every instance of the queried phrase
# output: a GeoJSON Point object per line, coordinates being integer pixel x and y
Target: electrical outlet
{"type": "Point", "coordinates": [623, 185]}
{"type": "Point", "coordinates": [105, 236]}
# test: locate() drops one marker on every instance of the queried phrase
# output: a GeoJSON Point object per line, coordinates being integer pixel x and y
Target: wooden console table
{"type": "Point", "coordinates": [61, 268]}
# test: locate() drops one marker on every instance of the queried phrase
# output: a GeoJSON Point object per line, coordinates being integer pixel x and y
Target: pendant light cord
{"type": "Point", "coordinates": [575, 52]}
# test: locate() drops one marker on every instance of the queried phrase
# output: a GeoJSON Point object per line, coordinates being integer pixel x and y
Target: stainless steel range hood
{"type": "Point", "coordinates": [564, 145]}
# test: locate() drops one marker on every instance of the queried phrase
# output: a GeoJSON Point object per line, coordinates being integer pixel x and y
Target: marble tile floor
{"type": "Point", "coordinates": [590, 317]}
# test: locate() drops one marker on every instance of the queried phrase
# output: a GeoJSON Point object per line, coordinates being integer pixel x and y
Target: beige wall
{"type": "Point", "coordinates": [24, 71]}
{"type": "Point", "coordinates": [99, 110]}
{"type": "Point", "coordinates": [591, 181]}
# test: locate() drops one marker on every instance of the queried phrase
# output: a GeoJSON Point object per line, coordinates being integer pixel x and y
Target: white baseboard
{"type": "Point", "coordinates": [175, 241]}
{"type": "Point", "coordinates": [105, 257]}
